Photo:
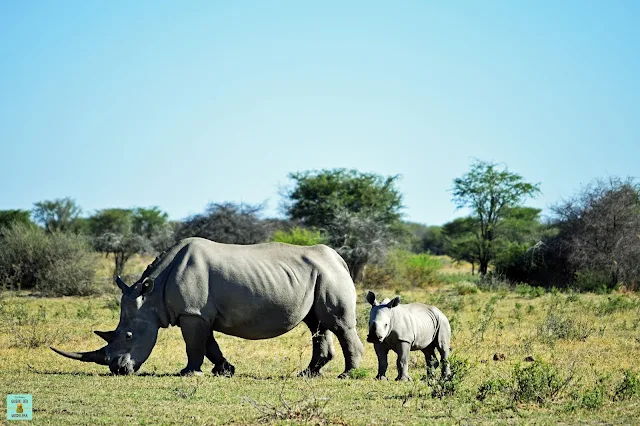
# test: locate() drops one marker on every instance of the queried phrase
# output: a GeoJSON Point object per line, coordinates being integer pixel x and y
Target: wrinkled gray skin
{"type": "Point", "coordinates": [254, 292]}
{"type": "Point", "coordinates": [405, 328]}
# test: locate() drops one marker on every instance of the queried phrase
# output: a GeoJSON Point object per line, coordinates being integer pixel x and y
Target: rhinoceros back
{"type": "Point", "coordinates": [254, 292]}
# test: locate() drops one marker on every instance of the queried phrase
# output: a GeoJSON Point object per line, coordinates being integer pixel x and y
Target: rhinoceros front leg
{"type": "Point", "coordinates": [322, 347]}
{"type": "Point", "coordinates": [403, 361]}
{"type": "Point", "coordinates": [383, 360]}
{"type": "Point", "coordinates": [194, 331]}
{"type": "Point", "coordinates": [222, 367]}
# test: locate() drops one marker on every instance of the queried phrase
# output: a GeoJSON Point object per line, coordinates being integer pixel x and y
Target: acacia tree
{"type": "Point", "coordinates": [57, 215]}
{"type": "Point", "coordinates": [227, 223]}
{"type": "Point", "coordinates": [10, 217]}
{"type": "Point", "coordinates": [599, 231]}
{"type": "Point", "coordinates": [489, 192]}
{"type": "Point", "coordinates": [359, 212]}
{"type": "Point", "coordinates": [126, 232]}
{"type": "Point", "coordinates": [360, 238]}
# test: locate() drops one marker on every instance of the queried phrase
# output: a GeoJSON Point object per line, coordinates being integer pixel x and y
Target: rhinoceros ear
{"type": "Point", "coordinates": [395, 302]}
{"type": "Point", "coordinates": [147, 286]}
{"type": "Point", "coordinates": [121, 284]}
{"type": "Point", "coordinates": [371, 298]}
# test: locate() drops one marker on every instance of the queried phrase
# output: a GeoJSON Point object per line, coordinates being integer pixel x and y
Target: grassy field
{"type": "Point", "coordinates": [581, 343]}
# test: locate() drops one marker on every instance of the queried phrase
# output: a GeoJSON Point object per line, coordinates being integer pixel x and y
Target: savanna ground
{"type": "Point", "coordinates": [585, 350]}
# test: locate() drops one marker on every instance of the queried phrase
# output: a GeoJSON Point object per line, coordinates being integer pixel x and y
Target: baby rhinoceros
{"type": "Point", "coordinates": [405, 328]}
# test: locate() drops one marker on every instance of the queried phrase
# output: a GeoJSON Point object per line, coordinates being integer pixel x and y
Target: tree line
{"type": "Point", "coordinates": [591, 241]}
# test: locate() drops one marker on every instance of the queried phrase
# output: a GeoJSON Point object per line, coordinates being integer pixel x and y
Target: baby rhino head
{"type": "Point", "coordinates": [380, 317]}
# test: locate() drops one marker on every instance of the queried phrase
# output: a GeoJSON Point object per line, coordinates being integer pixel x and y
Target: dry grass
{"type": "Point", "coordinates": [69, 392]}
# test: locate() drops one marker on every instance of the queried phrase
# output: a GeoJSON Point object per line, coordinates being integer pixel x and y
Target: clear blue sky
{"type": "Point", "coordinates": [174, 104]}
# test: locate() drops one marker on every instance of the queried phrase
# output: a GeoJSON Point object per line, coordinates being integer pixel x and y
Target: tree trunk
{"type": "Point", "coordinates": [473, 268]}
{"type": "Point", "coordinates": [483, 267]}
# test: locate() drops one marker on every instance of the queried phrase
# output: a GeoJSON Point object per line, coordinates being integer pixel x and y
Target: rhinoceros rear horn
{"type": "Point", "coordinates": [99, 356]}
{"type": "Point", "coordinates": [107, 336]}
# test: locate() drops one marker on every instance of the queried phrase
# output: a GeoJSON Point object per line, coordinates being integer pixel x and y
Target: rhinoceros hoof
{"type": "Point", "coordinates": [185, 372]}
{"type": "Point", "coordinates": [309, 373]}
{"type": "Point", "coordinates": [378, 377]}
{"type": "Point", "coordinates": [403, 379]}
{"type": "Point", "coordinates": [225, 369]}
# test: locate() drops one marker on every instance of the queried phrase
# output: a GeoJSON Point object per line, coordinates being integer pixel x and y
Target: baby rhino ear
{"type": "Point", "coordinates": [371, 298]}
{"type": "Point", "coordinates": [395, 302]}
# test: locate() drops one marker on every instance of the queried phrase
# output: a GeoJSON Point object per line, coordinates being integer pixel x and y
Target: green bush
{"type": "Point", "coordinates": [54, 264]}
{"type": "Point", "coordinates": [628, 387]}
{"type": "Point", "coordinates": [465, 288]}
{"type": "Point", "coordinates": [299, 237]}
{"type": "Point", "coordinates": [403, 269]}
{"type": "Point", "coordinates": [442, 386]}
{"type": "Point", "coordinates": [538, 382]}
{"type": "Point", "coordinates": [525, 290]}
{"type": "Point", "coordinates": [557, 325]}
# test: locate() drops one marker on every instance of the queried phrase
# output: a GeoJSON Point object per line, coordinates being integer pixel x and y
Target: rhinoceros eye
{"type": "Point", "coordinates": [129, 335]}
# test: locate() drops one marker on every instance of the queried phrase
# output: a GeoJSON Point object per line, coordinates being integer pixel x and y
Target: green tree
{"type": "Point", "coordinates": [56, 215]}
{"type": "Point", "coordinates": [359, 212]}
{"type": "Point", "coordinates": [461, 241]}
{"type": "Point", "coordinates": [126, 232]}
{"type": "Point", "coordinates": [9, 217]}
{"type": "Point", "coordinates": [489, 192]}
{"type": "Point", "coordinates": [317, 196]}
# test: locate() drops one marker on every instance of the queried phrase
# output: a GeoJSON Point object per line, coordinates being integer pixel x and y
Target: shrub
{"type": "Point", "coordinates": [558, 326]}
{"type": "Point", "coordinates": [526, 290]}
{"type": "Point", "coordinates": [617, 303]}
{"type": "Point", "coordinates": [299, 237]}
{"type": "Point", "coordinates": [465, 288]}
{"type": "Point", "coordinates": [628, 387]}
{"type": "Point", "coordinates": [538, 382]}
{"type": "Point", "coordinates": [491, 387]}
{"type": "Point", "coordinates": [442, 386]}
{"type": "Point", "coordinates": [421, 269]}
{"type": "Point", "coordinates": [402, 269]}
{"type": "Point", "coordinates": [54, 264]}
{"type": "Point", "coordinates": [593, 399]}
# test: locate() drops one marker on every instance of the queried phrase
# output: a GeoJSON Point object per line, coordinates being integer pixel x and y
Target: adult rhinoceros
{"type": "Point", "coordinates": [254, 292]}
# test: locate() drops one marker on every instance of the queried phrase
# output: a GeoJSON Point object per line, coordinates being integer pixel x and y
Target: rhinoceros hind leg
{"type": "Point", "coordinates": [351, 348]}
{"type": "Point", "coordinates": [194, 330]}
{"type": "Point", "coordinates": [322, 347]}
{"type": "Point", "coordinates": [430, 358]}
{"type": "Point", "coordinates": [222, 367]}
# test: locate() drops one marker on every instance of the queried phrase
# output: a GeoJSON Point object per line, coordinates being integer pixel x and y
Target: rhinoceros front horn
{"type": "Point", "coordinates": [99, 356]}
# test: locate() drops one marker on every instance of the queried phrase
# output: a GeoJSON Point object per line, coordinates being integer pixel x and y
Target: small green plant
{"type": "Point", "coordinates": [486, 316]}
{"type": "Point", "coordinates": [593, 399]}
{"type": "Point", "coordinates": [113, 304]}
{"type": "Point", "coordinates": [358, 373]}
{"type": "Point", "coordinates": [491, 387]}
{"type": "Point", "coordinates": [85, 312]}
{"type": "Point", "coordinates": [628, 388]}
{"type": "Point", "coordinates": [525, 290]}
{"type": "Point", "coordinates": [442, 386]}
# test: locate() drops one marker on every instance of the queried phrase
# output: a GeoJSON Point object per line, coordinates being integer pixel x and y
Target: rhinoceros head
{"type": "Point", "coordinates": [131, 343]}
{"type": "Point", "coordinates": [380, 317]}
